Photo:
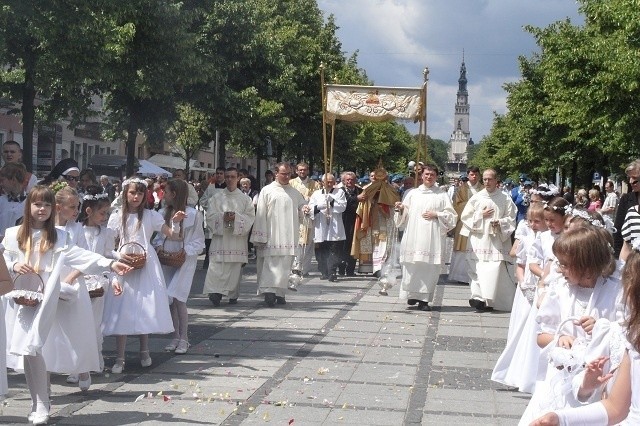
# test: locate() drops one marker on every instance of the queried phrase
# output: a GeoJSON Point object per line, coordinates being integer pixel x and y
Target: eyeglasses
{"type": "Point", "coordinates": [71, 178]}
{"type": "Point", "coordinates": [633, 181]}
{"type": "Point", "coordinates": [561, 266]}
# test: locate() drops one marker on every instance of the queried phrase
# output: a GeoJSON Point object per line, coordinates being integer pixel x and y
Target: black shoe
{"type": "Point", "coordinates": [333, 278]}
{"type": "Point", "coordinates": [215, 298]}
{"type": "Point", "coordinates": [377, 274]}
{"type": "Point", "coordinates": [270, 299]}
{"type": "Point", "coordinates": [280, 300]}
{"type": "Point", "coordinates": [324, 277]}
{"type": "Point", "coordinates": [423, 306]}
{"type": "Point", "coordinates": [480, 305]}
{"type": "Point", "coordinates": [233, 301]}
{"type": "Point", "coordinates": [412, 302]}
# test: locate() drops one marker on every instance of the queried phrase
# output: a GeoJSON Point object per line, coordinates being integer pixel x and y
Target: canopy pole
{"type": "Point", "coordinates": [324, 118]}
{"type": "Point", "coordinates": [333, 133]}
{"type": "Point", "coordinates": [425, 74]}
{"type": "Point", "coordinates": [422, 132]}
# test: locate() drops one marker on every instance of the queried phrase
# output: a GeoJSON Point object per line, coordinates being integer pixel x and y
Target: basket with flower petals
{"type": "Point", "coordinates": [136, 253]}
{"type": "Point", "coordinates": [27, 290]}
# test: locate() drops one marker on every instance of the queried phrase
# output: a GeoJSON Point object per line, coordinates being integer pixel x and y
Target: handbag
{"type": "Point", "coordinates": [28, 289]}
{"type": "Point", "coordinates": [136, 251]}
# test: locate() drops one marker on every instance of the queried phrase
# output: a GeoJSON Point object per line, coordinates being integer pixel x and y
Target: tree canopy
{"type": "Point", "coordinates": [575, 107]}
{"type": "Point", "coordinates": [180, 70]}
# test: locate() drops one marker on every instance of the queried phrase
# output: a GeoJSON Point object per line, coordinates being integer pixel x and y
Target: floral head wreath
{"type": "Point", "coordinates": [134, 180]}
{"type": "Point", "coordinates": [58, 185]}
{"type": "Point", "coordinates": [551, 190]}
{"type": "Point", "coordinates": [89, 197]}
{"type": "Point", "coordinates": [560, 209]}
{"type": "Point", "coordinates": [583, 214]}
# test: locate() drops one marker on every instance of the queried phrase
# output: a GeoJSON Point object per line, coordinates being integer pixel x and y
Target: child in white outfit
{"type": "Point", "coordinates": [191, 240]}
{"type": "Point", "coordinates": [142, 308]}
{"type": "Point", "coordinates": [37, 247]}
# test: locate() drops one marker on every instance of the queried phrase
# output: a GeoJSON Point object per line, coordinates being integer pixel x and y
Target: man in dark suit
{"type": "Point", "coordinates": [107, 187]}
{"type": "Point", "coordinates": [348, 264]}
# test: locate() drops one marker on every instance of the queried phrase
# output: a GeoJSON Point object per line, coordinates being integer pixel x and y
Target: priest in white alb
{"type": "Point", "coordinates": [489, 219]}
{"type": "Point", "coordinates": [427, 214]}
{"type": "Point", "coordinates": [326, 208]}
{"type": "Point", "coordinates": [275, 234]}
{"type": "Point", "coordinates": [230, 215]}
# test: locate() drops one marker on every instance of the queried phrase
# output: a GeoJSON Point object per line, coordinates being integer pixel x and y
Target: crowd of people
{"type": "Point", "coordinates": [78, 250]}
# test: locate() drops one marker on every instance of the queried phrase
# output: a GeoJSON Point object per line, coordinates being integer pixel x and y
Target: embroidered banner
{"type": "Point", "coordinates": [371, 103]}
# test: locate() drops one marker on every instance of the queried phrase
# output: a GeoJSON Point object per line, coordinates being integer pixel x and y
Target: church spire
{"type": "Point", "coordinates": [462, 81]}
{"type": "Point", "coordinates": [461, 135]}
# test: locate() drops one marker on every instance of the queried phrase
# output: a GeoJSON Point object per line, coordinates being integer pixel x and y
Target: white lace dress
{"type": "Point", "coordinates": [143, 306]}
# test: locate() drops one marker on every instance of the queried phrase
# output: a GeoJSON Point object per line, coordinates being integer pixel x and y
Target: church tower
{"type": "Point", "coordinates": [460, 137]}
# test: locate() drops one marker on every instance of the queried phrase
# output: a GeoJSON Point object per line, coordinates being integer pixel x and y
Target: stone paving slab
{"type": "Point", "coordinates": [464, 359]}
{"type": "Point", "coordinates": [324, 370]}
{"type": "Point", "coordinates": [403, 375]}
{"type": "Point", "coordinates": [377, 395]}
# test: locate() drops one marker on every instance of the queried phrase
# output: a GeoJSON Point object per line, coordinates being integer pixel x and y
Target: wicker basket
{"type": "Point", "coordinates": [28, 289]}
{"type": "Point", "coordinates": [98, 292]}
{"type": "Point", "coordinates": [96, 284]}
{"type": "Point", "coordinates": [175, 259]}
{"type": "Point", "coordinates": [137, 252]}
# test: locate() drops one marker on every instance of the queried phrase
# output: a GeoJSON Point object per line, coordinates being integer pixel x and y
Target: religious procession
{"type": "Point", "coordinates": [562, 265]}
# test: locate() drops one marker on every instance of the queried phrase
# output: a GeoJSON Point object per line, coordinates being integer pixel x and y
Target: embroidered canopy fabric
{"type": "Point", "coordinates": [372, 103]}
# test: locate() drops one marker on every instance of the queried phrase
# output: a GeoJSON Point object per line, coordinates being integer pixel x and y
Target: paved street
{"type": "Point", "coordinates": [336, 353]}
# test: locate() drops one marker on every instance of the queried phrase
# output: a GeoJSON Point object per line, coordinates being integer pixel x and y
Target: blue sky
{"type": "Point", "coordinates": [396, 39]}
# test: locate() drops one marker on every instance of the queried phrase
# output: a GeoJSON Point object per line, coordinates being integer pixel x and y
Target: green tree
{"type": "Point", "coordinates": [268, 85]}
{"type": "Point", "coordinates": [573, 110]}
{"type": "Point", "coordinates": [49, 50]}
{"type": "Point", "coordinates": [189, 133]}
{"type": "Point", "coordinates": [150, 66]}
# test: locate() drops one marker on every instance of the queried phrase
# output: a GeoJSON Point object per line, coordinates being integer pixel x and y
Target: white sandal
{"type": "Point", "coordinates": [183, 347]}
{"type": "Point", "coordinates": [118, 366]}
{"type": "Point", "coordinates": [145, 361]}
{"type": "Point", "coordinates": [172, 345]}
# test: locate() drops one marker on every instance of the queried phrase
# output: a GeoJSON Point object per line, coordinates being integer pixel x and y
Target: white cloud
{"type": "Point", "coordinates": [396, 39]}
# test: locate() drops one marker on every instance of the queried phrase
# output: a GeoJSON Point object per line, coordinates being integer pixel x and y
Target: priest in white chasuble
{"type": "Point", "coordinates": [230, 215]}
{"type": "Point", "coordinates": [427, 214]}
{"type": "Point", "coordinates": [275, 234]}
{"type": "Point", "coordinates": [470, 185]}
{"type": "Point", "coordinates": [488, 220]}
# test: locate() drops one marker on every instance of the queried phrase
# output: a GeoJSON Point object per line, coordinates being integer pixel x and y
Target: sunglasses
{"type": "Point", "coordinates": [71, 178]}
